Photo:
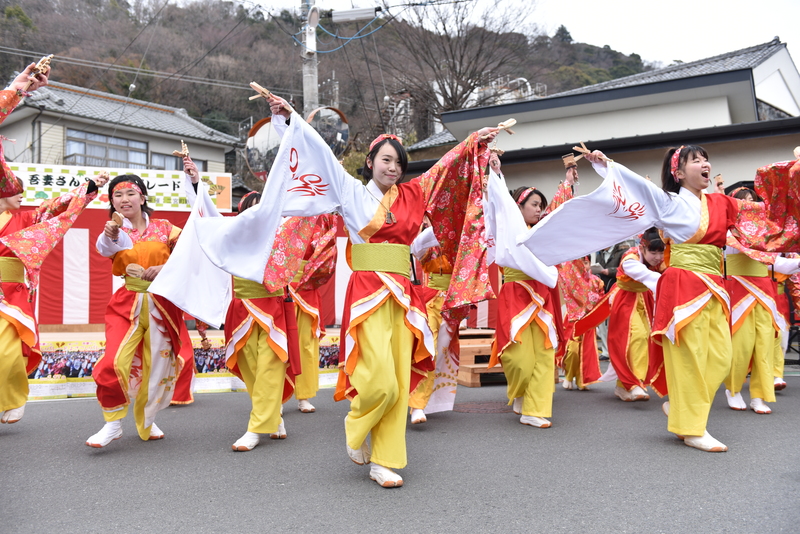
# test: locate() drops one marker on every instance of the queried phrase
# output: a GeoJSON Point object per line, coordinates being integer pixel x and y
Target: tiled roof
{"type": "Point", "coordinates": [442, 138]}
{"type": "Point", "coordinates": [86, 103]}
{"type": "Point", "coordinates": [746, 58]}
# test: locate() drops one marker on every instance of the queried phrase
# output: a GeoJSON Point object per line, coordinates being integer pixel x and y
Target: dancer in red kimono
{"type": "Point", "coordinates": [632, 307]}
{"type": "Point", "coordinates": [581, 291]}
{"type": "Point", "coordinates": [145, 333]}
{"type": "Point", "coordinates": [319, 264]}
{"type": "Point", "coordinates": [756, 319]}
{"type": "Point", "coordinates": [26, 238]}
{"type": "Point", "coordinates": [692, 307]}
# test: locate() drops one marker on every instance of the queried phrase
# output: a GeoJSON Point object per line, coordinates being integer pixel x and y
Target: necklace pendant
{"type": "Point", "coordinates": [390, 218]}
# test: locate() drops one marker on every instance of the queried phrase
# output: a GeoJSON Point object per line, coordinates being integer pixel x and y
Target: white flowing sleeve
{"type": "Point", "coordinates": [504, 222]}
{"type": "Point", "coordinates": [425, 240]}
{"type": "Point", "coordinates": [624, 205]}
{"type": "Point", "coordinates": [107, 248]}
{"type": "Point", "coordinates": [189, 279]}
{"type": "Point", "coordinates": [787, 265]}
{"type": "Point", "coordinates": [639, 272]}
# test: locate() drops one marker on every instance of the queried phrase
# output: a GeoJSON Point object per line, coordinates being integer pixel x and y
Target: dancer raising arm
{"type": "Point", "coordinates": [692, 304]}
{"type": "Point", "coordinates": [384, 331]}
{"type": "Point", "coordinates": [145, 333]}
{"type": "Point", "coordinates": [27, 237]}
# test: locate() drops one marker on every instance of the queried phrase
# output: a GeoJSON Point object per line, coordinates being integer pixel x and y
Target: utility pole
{"type": "Point", "coordinates": [310, 14]}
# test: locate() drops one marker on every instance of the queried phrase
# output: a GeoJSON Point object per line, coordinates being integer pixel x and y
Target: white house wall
{"type": "Point", "coordinates": [778, 83]}
{"type": "Point", "coordinates": [53, 142]}
{"type": "Point", "coordinates": [620, 123]}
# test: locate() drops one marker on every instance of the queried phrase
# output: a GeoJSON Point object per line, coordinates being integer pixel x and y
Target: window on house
{"type": "Point", "coordinates": [168, 162]}
{"type": "Point", "coordinates": [97, 150]}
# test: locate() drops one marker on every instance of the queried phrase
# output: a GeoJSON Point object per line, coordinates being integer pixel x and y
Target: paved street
{"type": "Point", "coordinates": [604, 466]}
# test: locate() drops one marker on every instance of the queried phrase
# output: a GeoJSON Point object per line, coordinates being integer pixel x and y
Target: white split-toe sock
{"type": "Point", "coordinates": [111, 431]}
{"type": "Point", "coordinates": [280, 433]}
{"type": "Point", "coordinates": [705, 443]}
{"type": "Point", "coordinates": [155, 433]}
{"type": "Point", "coordinates": [418, 416]}
{"type": "Point", "coordinates": [532, 420]}
{"type": "Point", "coordinates": [12, 416]}
{"type": "Point", "coordinates": [567, 384]}
{"type": "Point", "coordinates": [247, 442]}
{"type": "Point", "coordinates": [385, 477]}
{"type": "Point", "coordinates": [639, 394]}
{"type": "Point", "coordinates": [304, 406]}
{"type": "Point", "coordinates": [735, 401]}
{"type": "Point", "coordinates": [623, 394]}
{"type": "Point", "coordinates": [759, 406]}
{"type": "Point", "coordinates": [665, 408]}
{"type": "Point", "coordinates": [517, 406]}
{"type": "Point", "coordinates": [780, 383]}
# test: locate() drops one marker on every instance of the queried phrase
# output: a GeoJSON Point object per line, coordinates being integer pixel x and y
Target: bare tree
{"type": "Point", "coordinates": [455, 56]}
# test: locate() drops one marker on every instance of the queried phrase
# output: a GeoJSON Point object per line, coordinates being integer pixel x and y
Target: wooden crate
{"type": "Point", "coordinates": [475, 350]}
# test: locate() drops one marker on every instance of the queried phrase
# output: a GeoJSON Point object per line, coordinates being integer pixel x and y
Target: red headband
{"type": "Point", "coordinates": [673, 163]}
{"type": "Point", "coordinates": [127, 185]}
{"type": "Point", "coordinates": [251, 193]}
{"type": "Point", "coordinates": [524, 196]}
{"type": "Point", "coordinates": [381, 137]}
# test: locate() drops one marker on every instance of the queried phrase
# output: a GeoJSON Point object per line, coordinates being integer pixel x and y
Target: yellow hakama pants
{"type": "Point", "coordinates": [263, 373]}
{"type": "Point", "coordinates": [529, 368]}
{"type": "Point", "coordinates": [754, 343]}
{"type": "Point", "coordinates": [13, 378]}
{"type": "Point", "coordinates": [422, 393]}
{"type": "Point", "coordinates": [123, 365]}
{"type": "Point", "coordinates": [572, 362]}
{"type": "Point", "coordinates": [382, 377]}
{"type": "Point", "coordinates": [779, 355]}
{"type": "Point", "coordinates": [696, 367]}
{"type": "Point", "coordinates": [306, 384]}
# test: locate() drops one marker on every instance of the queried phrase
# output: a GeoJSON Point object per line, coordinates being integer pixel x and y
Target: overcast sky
{"type": "Point", "coordinates": [684, 30]}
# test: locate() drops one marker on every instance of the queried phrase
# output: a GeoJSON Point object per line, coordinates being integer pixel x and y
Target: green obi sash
{"type": "Point", "coordinates": [741, 265]}
{"type": "Point", "coordinates": [513, 275]}
{"type": "Point", "coordinates": [247, 289]}
{"type": "Point", "coordinates": [136, 285]}
{"type": "Point", "coordinates": [381, 258]}
{"type": "Point", "coordinates": [439, 281]}
{"type": "Point", "coordinates": [12, 270]}
{"type": "Point", "coordinates": [705, 259]}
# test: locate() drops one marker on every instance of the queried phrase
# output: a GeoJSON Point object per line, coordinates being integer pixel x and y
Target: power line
{"type": "Point", "coordinates": [213, 82]}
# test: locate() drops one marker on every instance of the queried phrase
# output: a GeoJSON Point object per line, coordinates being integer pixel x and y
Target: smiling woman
{"type": "Point", "coordinates": [139, 324]}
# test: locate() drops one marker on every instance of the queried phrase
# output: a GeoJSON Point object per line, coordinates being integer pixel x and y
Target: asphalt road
{"type": "Point", "coordinates": [604, 466]}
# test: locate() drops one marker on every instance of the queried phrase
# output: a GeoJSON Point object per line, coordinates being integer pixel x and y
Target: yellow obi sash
{"type": "Point", "coordinates": [382, 258]}
{"type": "Point", "coordinates": [513, 275]}
{"type": "Point", "coordinates": [632, 286]}
{"type": "Point", "coordinates": [439, 281]}
{"type": "Point", "coordinates": [741, 265]}
{"type": "Point", "coordinates": [705, 259]}
{"type": "Point", "coordinates": [137, 285]}
{"type": "Point", "coordinates": [299, 275]}
{"type": "Point", "coordinates": [247, 289]}
{"type": "Point", "coordinates": [11, 270]}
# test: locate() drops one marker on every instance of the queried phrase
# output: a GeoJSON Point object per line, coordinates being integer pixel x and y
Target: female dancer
{"type": "Point", "coordinates": [27, 237]}
{"type": "Point", "coordinates": [383, 328]}
{"type": "Point", "coordinates": [581, 291]}
{"type": "Point", "coordinates": [756, 320]}
{"type": "Point", "coordinates": [260, 336]}
{"type": "Point", "coordinates": [145, 333]}
{"type": "Point", "coordinates": [529, 318]}
{"type": "Point", "coordinates": [692, 307]}
{"type": "Point", "coordinates": [319, 263]}
{"type": "Point", "coordinates": [632, 303]}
